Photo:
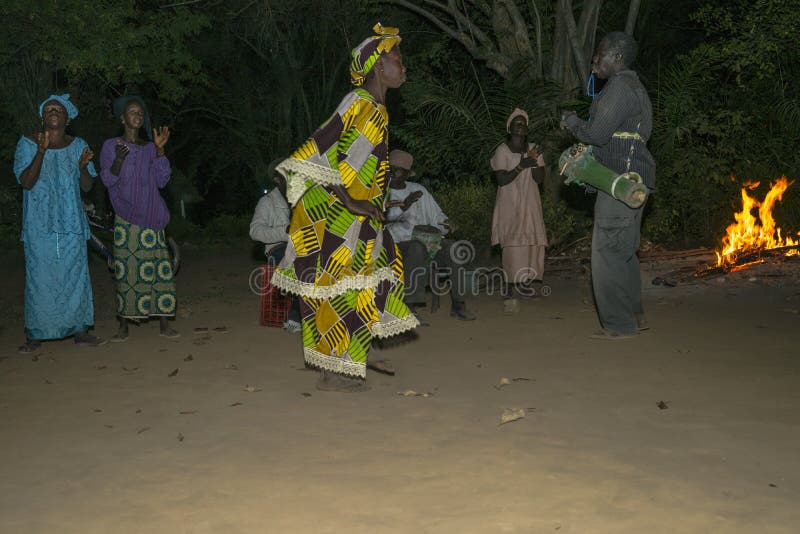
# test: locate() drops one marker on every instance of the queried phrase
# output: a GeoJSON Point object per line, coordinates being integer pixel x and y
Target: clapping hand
{"type": "Point", "coordinates": [42, 140]}
{"type": "Point", "coordinates": [121, 150]}
{"type": "Point", "coordinates": [160, 138]}
{"type": "Point", "coordinates": [535, 151]}
{"type": "Point", "coordinates": [86, 157]}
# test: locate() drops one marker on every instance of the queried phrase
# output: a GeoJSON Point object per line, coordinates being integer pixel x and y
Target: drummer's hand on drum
{"type": "Point", "coordinates": [365, 208]}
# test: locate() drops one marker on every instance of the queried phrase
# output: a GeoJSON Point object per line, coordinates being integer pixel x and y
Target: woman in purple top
{"type": "Point", "coordinates": [134, 170]}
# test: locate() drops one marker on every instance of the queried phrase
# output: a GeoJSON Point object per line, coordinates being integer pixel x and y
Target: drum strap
{"type": "Point", "coordinates": [633, 136]}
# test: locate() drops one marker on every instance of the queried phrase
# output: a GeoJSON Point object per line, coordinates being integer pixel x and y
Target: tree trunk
{"type": "Point", "coordinates": [576, 42]}
{"type": "Point", "coordinates": [511, 31]}
{"type": "Point", "coordinates": [560, 70]}
{"type": "Point", "coordinates": [538, 27]}
{"type": "Point", "coordinates": [587, 29]}
{"type": "Point", "coordinates": [633, 14]}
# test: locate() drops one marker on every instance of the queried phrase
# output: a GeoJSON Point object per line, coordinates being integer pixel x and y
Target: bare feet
{"type": "Point", "coordinates": [30, 346]}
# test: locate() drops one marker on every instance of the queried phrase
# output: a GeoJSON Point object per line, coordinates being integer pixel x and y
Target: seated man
{"type": "Point", "coordinates": [411, 205]}
{"type": "Point", "coordinates": [269, 226]}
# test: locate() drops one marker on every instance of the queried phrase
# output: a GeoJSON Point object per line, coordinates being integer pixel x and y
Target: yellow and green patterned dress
{"type": "Point", "coordinates": [346, 268]}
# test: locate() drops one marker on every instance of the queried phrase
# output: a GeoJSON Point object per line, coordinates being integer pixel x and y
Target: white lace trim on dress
{"type": "Point", "coordinates": [398, 326]}
{"type": "Point", "coordinates": [334, 364]}
{"type": "Point", "coordinates": [309, 290]}
{"type": "Point", "coordinates": [298, 171]}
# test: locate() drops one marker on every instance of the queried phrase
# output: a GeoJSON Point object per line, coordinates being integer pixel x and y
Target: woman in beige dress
{"type": "Point", "coordinates": [518, 222]}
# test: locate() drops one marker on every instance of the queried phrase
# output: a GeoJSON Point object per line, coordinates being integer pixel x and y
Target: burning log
{"type": "Point", "coordinates": [748, 258]}
{"type": "Point", "coordinates": [747, 241]}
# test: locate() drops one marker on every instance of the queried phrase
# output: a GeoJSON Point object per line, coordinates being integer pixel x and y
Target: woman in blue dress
{"type": "Point", "coordinates": [52, 167]}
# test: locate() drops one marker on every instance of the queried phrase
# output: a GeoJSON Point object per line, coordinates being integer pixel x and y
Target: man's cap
{"type": "Point", "coordinates": [402, 160]}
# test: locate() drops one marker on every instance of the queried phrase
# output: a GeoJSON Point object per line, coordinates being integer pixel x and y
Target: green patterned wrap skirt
{"type": "Point", "coordinates": [143, 272]}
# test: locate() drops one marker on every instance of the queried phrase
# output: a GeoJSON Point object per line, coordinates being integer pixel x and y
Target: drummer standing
{"type": "Point", "coordinates": [410, 206]}
{"type": "Point", "coordinates": [620, 125]}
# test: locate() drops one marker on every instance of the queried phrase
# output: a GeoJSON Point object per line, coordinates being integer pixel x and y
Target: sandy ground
{"type": "Point", "coordinates": [112, 440]}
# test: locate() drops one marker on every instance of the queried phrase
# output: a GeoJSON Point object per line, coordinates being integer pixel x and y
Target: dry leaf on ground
{"type": "Point", "coordinates": [503, 382]}
{"type": "Point", "coordinates": [412, 393]}
{"type": "Point", "coordinates": [510, 415]}
{"type": "Point", "coordinates": [251, 389]}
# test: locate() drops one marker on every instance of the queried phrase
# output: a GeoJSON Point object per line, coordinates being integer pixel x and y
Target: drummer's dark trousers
{"type": "Point", "coordinates": [417, 272]}
{"type": "Point", "coordinates": [616, 277]}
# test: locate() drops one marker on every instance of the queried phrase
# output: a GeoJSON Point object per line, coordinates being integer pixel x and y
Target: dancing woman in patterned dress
{"type": "Point", "coordinates": [134, 169]}
{"type": "Point", "coordinates": [340, 260]}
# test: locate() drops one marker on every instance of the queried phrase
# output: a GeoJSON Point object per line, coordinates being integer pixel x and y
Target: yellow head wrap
{"type": "Point", "coordinates": [367, 53]}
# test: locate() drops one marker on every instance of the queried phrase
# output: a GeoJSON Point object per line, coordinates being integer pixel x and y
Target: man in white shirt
{"type": "Point", "coordinates": [270, 225]}
{"type": "Point", "coordinates": [411, 205]}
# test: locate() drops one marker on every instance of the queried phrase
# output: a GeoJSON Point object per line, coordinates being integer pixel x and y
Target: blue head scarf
{"type": "Point", "coordinates": [121, 104]}
{"type": "Point", "coordinates": [72, 110]}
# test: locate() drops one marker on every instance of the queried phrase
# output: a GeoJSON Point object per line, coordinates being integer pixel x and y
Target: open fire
{"type": "Point", "coordinates": [750, 234]}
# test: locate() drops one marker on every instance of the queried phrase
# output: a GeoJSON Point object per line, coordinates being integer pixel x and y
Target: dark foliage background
{"type": "Point", "coordinates": [242, 82]}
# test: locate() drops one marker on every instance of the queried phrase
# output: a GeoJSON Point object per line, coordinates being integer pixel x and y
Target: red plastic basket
{"type": "Point", "coordinates": [274, 303]}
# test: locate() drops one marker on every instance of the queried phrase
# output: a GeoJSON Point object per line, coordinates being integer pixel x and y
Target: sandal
{"type": "Point", "coordinates": [611, 335]}
{"type": "Point", "coordinates": [169, 333]}
{"type": "Point", "coordinates": [381, 366]}
{"type": "Point", "coordinates": [88, 340]}
{"type": "Point", "coordinates": [330, 381]}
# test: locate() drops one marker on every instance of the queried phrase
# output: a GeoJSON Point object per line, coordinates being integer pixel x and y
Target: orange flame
{"type": "Point", "coordinates": [746, 234]}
